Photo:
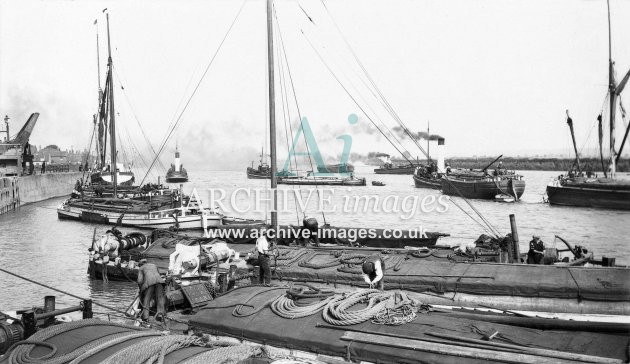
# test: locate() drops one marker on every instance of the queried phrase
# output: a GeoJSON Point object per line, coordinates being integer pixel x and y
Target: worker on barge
{"type": "Point", "coordinates": [264, 247]}
{"type": "Point", "coordinates": [150, 283]}
{"type": "Point", "coordinates": [536, 251]}
{"type": "Point", "coordinates": [373, 271]}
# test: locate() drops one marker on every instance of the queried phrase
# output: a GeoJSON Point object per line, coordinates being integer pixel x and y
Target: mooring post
{"type": "Point", "coordinates": [49, 306]}
{"type": "Point", "coordinates": [87, 309]}
{"type": "Point", "coordinates": [516, 250]}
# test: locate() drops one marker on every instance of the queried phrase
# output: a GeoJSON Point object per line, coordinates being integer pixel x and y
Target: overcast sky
{"type": "Point", "coordinates": [492, 77]}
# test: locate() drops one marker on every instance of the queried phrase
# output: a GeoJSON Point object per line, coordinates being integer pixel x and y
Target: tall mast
{"type": "Point", "coordinates": [98, 64]}
{"type": "Point", "coordinates": [97, 117]}
{"type": "Point", "coordinates": [112, 112]}
{"type": "Point", "coordinates": [612, 97]}
{"type": "Point", "coordinates": [272, 118]}
{"type": "Point", "coordinates": [428, 140]}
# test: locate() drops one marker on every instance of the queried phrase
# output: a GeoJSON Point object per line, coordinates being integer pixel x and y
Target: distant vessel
{"type": "Point", "coordinates": [580, 189]}
{"type": "Point", "coordinates": [481, 185]}
{"type": "Point", "coordinates": [430, 176]}
{"type": "Point", "coordinates": [330, 179]}
{"type": "Point", "coordinates": [336, 168]}
{"type": "Point", "coordinates": [177, 173]}
{"type": "Point", "coordinates": [262, 172]}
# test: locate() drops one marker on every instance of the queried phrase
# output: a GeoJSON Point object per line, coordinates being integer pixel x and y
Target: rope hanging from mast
{"type": "Point", "coordinates": [205, 72]}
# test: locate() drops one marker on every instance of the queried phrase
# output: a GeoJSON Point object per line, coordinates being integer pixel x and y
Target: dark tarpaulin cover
{"type": "Point", "coordinates": [302, 334]}
{"type": "Point", "coordinates": [417, 274]}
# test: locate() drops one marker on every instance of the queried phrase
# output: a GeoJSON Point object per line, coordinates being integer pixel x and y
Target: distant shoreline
{"type": "Point", "coordinates": [523, 164]}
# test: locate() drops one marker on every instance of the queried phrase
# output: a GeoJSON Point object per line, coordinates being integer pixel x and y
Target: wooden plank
{"type": "Point", "coordinates": [460, 351]}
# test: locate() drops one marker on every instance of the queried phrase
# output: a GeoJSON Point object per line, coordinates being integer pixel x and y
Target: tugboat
{"type": "Point", "coordinates": [430, 176]}
{"type": "Point", "coordinates": [262, 172]}
{"type": "Point", "coordinates": [177, 173]}
{"type": "Point", "coordinates": [585, 190]}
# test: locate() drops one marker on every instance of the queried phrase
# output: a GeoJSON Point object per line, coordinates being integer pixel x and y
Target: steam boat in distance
{"type": "Point", "coordinates": [177, 173]}
{"type": "Point", "coordinates": [389, 167]}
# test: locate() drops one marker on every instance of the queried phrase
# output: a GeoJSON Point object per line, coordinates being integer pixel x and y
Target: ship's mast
{"type": "Point", "coordinates": [428, 142]}
{"type": "Point", "coordinates": [112, 112]}
{"type": "Point", "coordinates": [612, 96]}
{"type": "Point", "coordinates": [97, 117]}
{"type": "Point", "coordinates": [272, 118]}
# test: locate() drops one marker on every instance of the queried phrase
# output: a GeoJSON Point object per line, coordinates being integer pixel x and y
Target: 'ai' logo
{"type": "Point", "coordinates": [313, 149]}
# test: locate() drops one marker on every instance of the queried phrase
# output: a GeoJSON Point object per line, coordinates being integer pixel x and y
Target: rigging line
{"type": "Point", "coordinates": [350, 95]}
{"type": "Point", "coordinates": [297, 106]}
{"type": "Point", "coordinates": [392, 111]}
{"type": "Point", "coordinates": [287, 116]}
{"type": "Point", "coordinates": [61, 291]}
{"type": "Point", "coordinates": [133, 113]}
{"type": "Point", "coordinates": [383, 100]}
{"type": "Point", "coordinates": [484, 227]}
{"type": "Point", "coordinates": [492, 228]}
{"type": "Point", "coordinates": [87, 156]}
{"type": "Point", "coordinates": [195, 90]}
{"type": "Point", "coordinates": [391, 136]}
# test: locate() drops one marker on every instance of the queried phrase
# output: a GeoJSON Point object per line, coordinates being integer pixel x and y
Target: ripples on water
{"type": "Point", "coordinates": [37, 245]}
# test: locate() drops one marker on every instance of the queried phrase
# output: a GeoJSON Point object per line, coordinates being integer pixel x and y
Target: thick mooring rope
{"type": "Point", "coordinates": [228, 354]}
{"type": "Point", "coordinates": [289, 306]}
{"type": "Point", "coordinates": [152, 350]}
{"type": "Point", "coordinates": [22, 350]}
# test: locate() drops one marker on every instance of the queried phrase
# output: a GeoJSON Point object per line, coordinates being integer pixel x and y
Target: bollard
{"type": "Point", "coordinates": [49, 305]}
{"type": "Point", "coordinates": [87, 309]}
{"type": "Point", "coordinates": [517, 250]}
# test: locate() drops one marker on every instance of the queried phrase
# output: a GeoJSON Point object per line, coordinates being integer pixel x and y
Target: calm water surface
{"type": "Point", "coordinates": [35, 244]}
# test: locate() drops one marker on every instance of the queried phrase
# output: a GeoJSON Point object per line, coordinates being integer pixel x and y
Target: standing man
{"type": "Point", "coordinates": [150, 284]}
{"type": "Point", "coordinates": [373, 270]}
{"type": "Point", "coordinates": [263, 246]}
{"type": "Point", "coordinates": [536, 251]}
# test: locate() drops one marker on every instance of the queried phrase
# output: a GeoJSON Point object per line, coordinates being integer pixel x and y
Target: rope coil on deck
{"type": "Point", "coordinates": [20, 351]}
{"type": "Point", "coordinates": [288, 306]}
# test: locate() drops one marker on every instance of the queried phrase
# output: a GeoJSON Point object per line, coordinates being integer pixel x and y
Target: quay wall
{"type": "Point", "coordinates": [17, 191]}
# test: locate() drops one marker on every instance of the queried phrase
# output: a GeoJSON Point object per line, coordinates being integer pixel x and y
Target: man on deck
{"type": "Point", "coordinates": [150, 284]}
{"type": "Point", "coordinates": [536, 251]}
{"type": "Point", "coordinates": [263, 247]}
{"type": "Point", "coordinates": [373, 271]}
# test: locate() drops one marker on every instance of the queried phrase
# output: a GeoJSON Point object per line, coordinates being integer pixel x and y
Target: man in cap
{"type": "Point", "coordinates": [373, 269]}
{"type": "Point", "coordinates": [536, 251]}
{"type": "Point", "coordinates": [150, 284]}
{"type": "Point", "coordinates": [263, 246]}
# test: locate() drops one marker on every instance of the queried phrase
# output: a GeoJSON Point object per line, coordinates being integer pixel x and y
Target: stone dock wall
{"type": "Point", "coordinates": [17, 191]}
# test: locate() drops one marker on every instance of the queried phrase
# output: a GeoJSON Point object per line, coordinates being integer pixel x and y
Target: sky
{"type": "Point", "coordinates": [492, 77]}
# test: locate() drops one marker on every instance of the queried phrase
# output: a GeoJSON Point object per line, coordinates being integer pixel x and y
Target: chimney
{"type": "Point", "coordinates": [440, 155]}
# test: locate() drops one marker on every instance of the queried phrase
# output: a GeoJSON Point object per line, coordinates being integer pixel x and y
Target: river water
{"type": "Point", "coordinates": [35, 244]}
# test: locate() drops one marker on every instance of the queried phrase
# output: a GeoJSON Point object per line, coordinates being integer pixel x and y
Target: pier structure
{"type": "Point", "coordinates": [17, 191]}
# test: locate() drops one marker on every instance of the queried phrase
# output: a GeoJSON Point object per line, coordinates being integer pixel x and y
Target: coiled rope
{"type": "Point", "coordinates": [21, 351]}
{"type": "Point", "coordinates": [288, 306]}
{"type": "Point", "coordinates": [152, 350]}
{"type": "Point", "coordinates": [228, 354]}
{"type": "Point", "coordinates": [337, 311]}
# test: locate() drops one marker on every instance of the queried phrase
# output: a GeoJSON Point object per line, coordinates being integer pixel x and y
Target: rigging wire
{"type": "Point", "coordinates": [488, 226]}
{"type": "Point", "coordinates": [297, 106]}
{"type": "Point", "coordinates": [286, 114]}
{"type": "Point", "coordinates": [135, 117]}
{"type": "Point", "coordinates": [179, 118]}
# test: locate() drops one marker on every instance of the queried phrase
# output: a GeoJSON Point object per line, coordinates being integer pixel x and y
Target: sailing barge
{"type": "Point", "coordinates": [480, 185]}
